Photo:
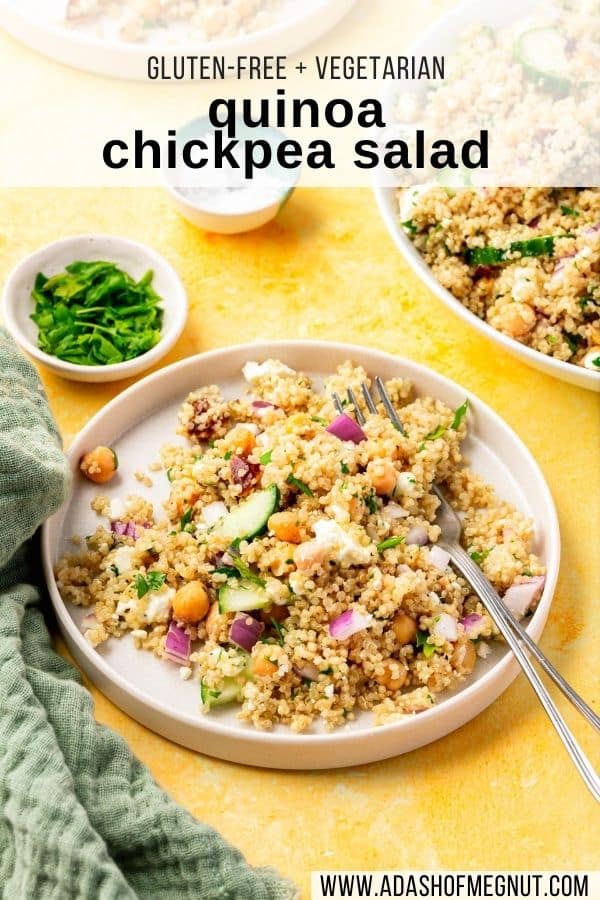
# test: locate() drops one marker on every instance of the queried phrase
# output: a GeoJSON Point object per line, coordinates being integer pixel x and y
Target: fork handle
{"type": "Point", "coordinates": [501, 616]}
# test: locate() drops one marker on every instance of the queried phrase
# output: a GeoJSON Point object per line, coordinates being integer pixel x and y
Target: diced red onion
{"type": "Point", "coordinates": [520, 596]}
{"type": "Point", "coordinates": [592, 229]}
{"type": "Point", "coordinates": [245, 631]}
{"type": "Point", "coordinates": [243, 472]}
{"type": "Point", "coordinates": [263, 404]}
{"type": "Point", "coordinates": [482, 272]}
{"type": "Point", "coordinates": [178, 645]}
{"type": "Point", "coordinates": [89, 621]}
{"type": "Point", "coordinates": [438, 557]}
{"type": "Point", "coordinates": [472, 624]}
{"type": "Point", "coordinates": [445, 627]}
{"type": "Point", "coordinates": [346, 429]}
{"type": "Point", "coordinates": [213, 512]}
{"type": "Point", "coordinates": [395, 511]}
{"type": "Point", "coordinates": [349, 623]}
{"type": "Point", "coordinates": [418, 535]}
{"type": "Point", "coordinates": [307, 670]}
{"type": "Point", "coordinates": [126, 529]}
{"type": "Point", "coordinates": [534, 222]}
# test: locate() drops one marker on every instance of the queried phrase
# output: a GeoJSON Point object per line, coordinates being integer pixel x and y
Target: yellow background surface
{"type": "Point", "coordinates": [499, 793]}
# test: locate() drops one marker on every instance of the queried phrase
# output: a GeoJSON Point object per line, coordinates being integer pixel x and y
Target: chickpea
{"type": "Point", "coordinates": [262, 664]}
{"type": "Point", "coordinates": [99, 465]}
{"type": "Point", "coordinates": [516, 320]}
{"type": "Point", "coordinates": [405, 628]}
{"type": "Point", "coordinates": [309, 555]}
{"type": "Point", "coordinates": [285, 527]}
{"type": "Point", "coordinates": [241, 440]}
{"type": "Point", "coordinates": [278, 613]}
{"type": "Point", "coordinates": [190, 603]}
{"type": "Point", "coordinates": [383, 476]}
{"type": "Point", "coordinates": [393, 677]}
{"type": "Point", "coordinates": [464, 657]}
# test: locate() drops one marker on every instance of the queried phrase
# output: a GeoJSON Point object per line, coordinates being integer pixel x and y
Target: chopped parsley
{"type": "Point", "coordinates": [573, 340]}
{"type": "Point", "coordinates": [479, 556]}
{"type": "Point", "coordinates": [390, 543]}
{"type": "Point", "coordinates": [114, 570]}
{"type": "Point", "coordinates": [424, 643]}
{"type": "Point", "coordinates": [266, 458]}
{"type": "Point", "coordinates": [228, 456]}
{"type": "Point", "coordinates": [440, 431]}
{"type": "Point", "coordinates": [410, 226]}
{"type": "Point", "coordinates": [319, 420]}
{"type": "Point", "coordinates": [300, 485]}
{"type": "Point", "coordinates": [459, 415]}
{"type": "Point", "coordinates": [371, 501]}
{"type": "Point", "coordinates": [186, 519]}
{"type": "Point", "coordinates": [278, 627]}
{"type": "Point", "coordinates": [344, 468]}
{"type": "Point", "coordinates": [569, 211]}
{"type": "Point", "coordinates": [244, 571]}
{"type": "Point", "coordinates": [152, 581]}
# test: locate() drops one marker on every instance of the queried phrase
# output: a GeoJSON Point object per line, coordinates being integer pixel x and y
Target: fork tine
{"type": "Point", "coordinates": [338, 403]}
{"type": "Point", "coordinates": [385, 399]}
{"type": "Point", "coordinates": [357, 410]}
{"type": "Point", "coordinates": [368, 399]}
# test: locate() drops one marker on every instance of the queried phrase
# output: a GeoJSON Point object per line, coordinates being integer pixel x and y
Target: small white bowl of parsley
{"type": "Point", "coordinates": [95, 307]}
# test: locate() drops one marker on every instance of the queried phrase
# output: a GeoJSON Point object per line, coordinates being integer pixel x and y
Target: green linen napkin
{"type": "Point", "coordinates": [79, 815]}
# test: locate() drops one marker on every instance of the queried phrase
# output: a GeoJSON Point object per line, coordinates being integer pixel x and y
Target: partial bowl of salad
{"type": "Point", "coordinates": [95, 307]}
{"type": "Point", "coordinates": [520, 264]}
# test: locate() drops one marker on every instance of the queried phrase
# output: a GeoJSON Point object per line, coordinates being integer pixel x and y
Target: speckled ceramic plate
{"type": "Point", "coordinates": [138, 422]}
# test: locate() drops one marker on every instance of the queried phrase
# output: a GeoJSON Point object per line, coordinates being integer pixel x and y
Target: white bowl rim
{"type": "Point", "coordinates": [339, 737]}
{"type": "Point", "coordinates": [132, 50]}
{"type": "Point", "coordinates": [120, 370]}
{"type": "Point", "coordinates": [563, 370]}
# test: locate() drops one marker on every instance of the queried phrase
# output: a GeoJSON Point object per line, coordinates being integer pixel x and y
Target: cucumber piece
{"type": "Point", "coordinates": [541, 52]}
{"type": "Point", "coordinates": [494, 256]}
{"type": "Point", "coordinates": [243, 596]}
{"type": "Point", "coordinates": [250, 517]}
{"type": "Point", "coordinates": [229, 691]}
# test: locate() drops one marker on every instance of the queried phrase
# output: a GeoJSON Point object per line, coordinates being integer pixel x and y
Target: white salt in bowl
{"type": "Point", "coordinates": [228, 205]}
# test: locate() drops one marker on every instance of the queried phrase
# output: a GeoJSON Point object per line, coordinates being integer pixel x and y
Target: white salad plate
{"type": "Point", "coordinates": [39, 25]}
{"type": "Point", "coordinates": [132, 257]}
{"type": "Point", "coordinates": [138, 422]}
{"type": "Point", "coordinates": [442, 38]}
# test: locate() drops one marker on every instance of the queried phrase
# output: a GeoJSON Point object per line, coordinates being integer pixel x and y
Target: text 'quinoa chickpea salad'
{"type": "Point", "coordinates": [294, 570]}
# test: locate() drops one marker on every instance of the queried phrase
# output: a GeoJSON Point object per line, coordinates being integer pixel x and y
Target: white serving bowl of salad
{"type": "Point", "coordinates": [540, 58]}
{"type": "Point", "coordinates": [223, 200]}
{"type": "Point", "coordinates": [95, 323]}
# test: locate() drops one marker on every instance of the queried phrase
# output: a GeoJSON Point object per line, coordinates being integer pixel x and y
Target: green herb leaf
{"type": "Point", "coordinates": [459, 415]}
{"type": "Point", "coordinates": [266, 458]}
{"type": "Point", "coordinates": [228, 456]}
{"type": "Point", "coordinates": [300, 485]}
{"type": "Point", "coordinates": [279, 629]}
{"type": "Point", "coordinates": [410, 226]}
{"type": "Point", "coordinates": [569, 211]}
{"type": "Point", "coordinates": [390, 543]}
{"type": "Point", "coordinates": [152, 581]}
{"type": "Point", "coordinates": [344, 468]}
{"type": "Point", "coordinates": [93, 313]}
{"type": "Point", "coordinates": [319, 420]}
{"type": "Point", "coordinates": [186, 518]}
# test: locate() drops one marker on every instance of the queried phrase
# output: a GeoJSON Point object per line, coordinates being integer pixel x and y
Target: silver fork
{"type": "Point", "coordinates": [515, 635]}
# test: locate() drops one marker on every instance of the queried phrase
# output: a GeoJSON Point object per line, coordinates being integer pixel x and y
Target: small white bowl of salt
{"type": "Point", "coordinates": [224, 199]}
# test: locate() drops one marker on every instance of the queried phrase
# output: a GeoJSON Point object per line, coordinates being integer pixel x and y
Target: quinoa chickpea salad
{"type": "Point", "coordinates": [294, 570]}
{"type": "Point", "coordinates": [525, 261]}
